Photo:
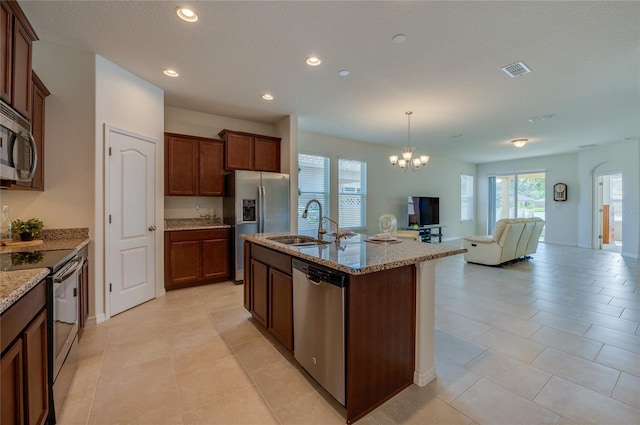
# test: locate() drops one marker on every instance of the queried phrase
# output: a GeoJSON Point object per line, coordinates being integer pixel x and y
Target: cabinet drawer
{"type": "Point", "coordinates": [18, 316]}
{"type": "Point", "coordinates": [198, 235]}
{"type": "Point", "coordinates": [273, 258]}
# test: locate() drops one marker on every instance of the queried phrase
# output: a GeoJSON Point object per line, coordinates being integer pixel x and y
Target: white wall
{"type": "Point", "coordinates": [560, 216]}
{"type": "Point", "coordinates": [193, 123]}
{"type": "Point", "coordinates": [388, 188]}
{"type": "Point", "coordinates": [127, 102]}
{"type": "Point", "coordinates": [69, 169]}
{"type": "Point", "coordinates": [287, 129]}
{"type": "Point", "coordinates": [572, 222]}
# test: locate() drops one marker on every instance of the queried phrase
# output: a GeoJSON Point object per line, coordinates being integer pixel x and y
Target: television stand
{"type": "Point", "coordinates": [429, 233]}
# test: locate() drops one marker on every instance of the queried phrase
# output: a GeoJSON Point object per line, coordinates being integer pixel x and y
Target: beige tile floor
{"type": "Point", "coordinates": [554, 340]}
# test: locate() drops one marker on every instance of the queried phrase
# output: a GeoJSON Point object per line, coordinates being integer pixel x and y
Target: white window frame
{"type": "Point", "coordinates": [309, 226]}
{"type": "Point", "coordinates": [466, 198]}
{"type": "Point", "coordinates": [351, 189]}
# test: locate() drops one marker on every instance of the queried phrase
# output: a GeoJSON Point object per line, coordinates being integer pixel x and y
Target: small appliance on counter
{"type": "Point", "coordinates": [255, 202]}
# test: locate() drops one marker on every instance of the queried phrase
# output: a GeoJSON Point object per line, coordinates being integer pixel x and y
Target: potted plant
{"type": "Point", "coordinates": [27, 229]}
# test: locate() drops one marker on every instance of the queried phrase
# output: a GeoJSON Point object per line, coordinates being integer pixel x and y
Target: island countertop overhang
{"type": "Point", "coordinates": [355, 256]}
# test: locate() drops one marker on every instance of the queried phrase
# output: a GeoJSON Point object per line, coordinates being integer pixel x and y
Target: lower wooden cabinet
{"type": "Point", "coordinates": [24, 362]}
{"type": "Point", "coordinates": [195, 257]}
{"type": "Point", "coordinates": [269, 291]}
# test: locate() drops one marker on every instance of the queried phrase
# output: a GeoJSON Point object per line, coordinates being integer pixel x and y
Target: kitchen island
{"type": "Point", "coordinates": [389, 308]}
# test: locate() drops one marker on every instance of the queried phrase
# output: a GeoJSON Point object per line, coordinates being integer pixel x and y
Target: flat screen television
{"type": "Point", "coordinates": [423, 210]}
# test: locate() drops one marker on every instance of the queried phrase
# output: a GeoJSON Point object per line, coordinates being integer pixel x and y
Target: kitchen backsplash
{"type": "Point", "coordinates": [56, 234]}
{"type": "Point", "coordinates": [191, 206]}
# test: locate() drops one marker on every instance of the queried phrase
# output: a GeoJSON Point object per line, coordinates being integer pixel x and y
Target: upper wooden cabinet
{"type": "Point", "coordinates": [40, 93]}
{"type": "Point", "coordinates": [193, 166]}
{"type": "Point", "coordinates": [246, 151]}
{"type": "Point", "coordinates": [15, 57]}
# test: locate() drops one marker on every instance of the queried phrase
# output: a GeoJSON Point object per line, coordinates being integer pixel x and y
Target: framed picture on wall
{"type": "Point", "coordinates": [560, 192]}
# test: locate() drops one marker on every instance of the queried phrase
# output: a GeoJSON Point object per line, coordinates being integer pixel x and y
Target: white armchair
{"type": "Point", "coordinates": [512, 238]}
{"type": "Point", "coordinates": [400, 234]}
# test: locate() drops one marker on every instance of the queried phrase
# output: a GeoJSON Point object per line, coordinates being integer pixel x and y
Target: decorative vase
{"type": "Point", "coordinates": [26, 236]}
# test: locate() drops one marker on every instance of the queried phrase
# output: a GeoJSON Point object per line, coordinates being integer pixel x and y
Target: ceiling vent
{"type": "Point", "coordinates": [590, 145]}
{"type": "Point", "coordinates": [540, 118]}
{"type": "Point", "coordinates": [516, 69]}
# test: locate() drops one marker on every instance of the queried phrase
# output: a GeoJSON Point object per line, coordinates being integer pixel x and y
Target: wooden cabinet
{"type": "Point", "coordinates": [40, 93]}
{"type": "Point", "coordinates": [193, 166]}
{"type": "Point", "coordinates": [15, 60]}
{"type": "Point", "coordinates": [83, 292]}
{"type": "Point", "coordinates": [24, 361]}
{"type": "Point", "coordinates": [195, 257]}
{"type": "Point", "coordinates": [246, 151]}
{"type": "Point", "coordinates": [270, 288]}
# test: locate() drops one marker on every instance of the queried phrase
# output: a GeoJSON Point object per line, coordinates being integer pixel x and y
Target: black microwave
{"type": "Point", "coordinates": [18, 154]}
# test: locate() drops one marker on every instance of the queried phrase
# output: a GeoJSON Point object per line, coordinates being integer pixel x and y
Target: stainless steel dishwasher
{"type": "Point", "coordinates": [319, 325]}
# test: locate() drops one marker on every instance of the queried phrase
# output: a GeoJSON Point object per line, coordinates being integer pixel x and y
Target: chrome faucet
{"type": "Point", "coordinates": [321, 231]}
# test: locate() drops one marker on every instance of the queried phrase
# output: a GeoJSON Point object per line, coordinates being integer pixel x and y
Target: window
{"type": "Point", "coordinates": [352, 193]}
{"type": "Point", "coordinates": [516, 196]}
{"type": "Point", "coordinates": [466, 198]}
{"type": "Point", "coordinates": [313, 183]}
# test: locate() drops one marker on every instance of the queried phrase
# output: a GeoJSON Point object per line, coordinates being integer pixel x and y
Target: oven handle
{"type": "Point", "coordinates": [79, 262]}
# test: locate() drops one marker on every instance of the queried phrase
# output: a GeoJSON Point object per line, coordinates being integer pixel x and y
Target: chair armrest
{"type": "Point", "coordinates": [479, 239]}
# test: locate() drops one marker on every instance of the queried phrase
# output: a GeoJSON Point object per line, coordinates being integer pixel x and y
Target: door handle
{"type": "Point", "coordinates": [152, 228]}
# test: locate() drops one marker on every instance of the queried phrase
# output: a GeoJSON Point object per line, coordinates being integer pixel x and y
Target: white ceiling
{"type": "Point", "coordinates": [584, 57]}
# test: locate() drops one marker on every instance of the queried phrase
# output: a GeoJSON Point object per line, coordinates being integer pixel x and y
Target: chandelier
{"type": "Point", "coordinates": [409, 158]}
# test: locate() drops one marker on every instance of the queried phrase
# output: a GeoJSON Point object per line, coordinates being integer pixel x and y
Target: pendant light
{"type": "Point", "coordinates": [409, 158]}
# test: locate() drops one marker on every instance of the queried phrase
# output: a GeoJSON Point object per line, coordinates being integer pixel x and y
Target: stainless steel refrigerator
{"type": "Point", "coordinates": [254, 202]}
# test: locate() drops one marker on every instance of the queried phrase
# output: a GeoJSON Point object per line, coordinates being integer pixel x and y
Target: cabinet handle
{"type": "Point", "coordinates": [152, 228]}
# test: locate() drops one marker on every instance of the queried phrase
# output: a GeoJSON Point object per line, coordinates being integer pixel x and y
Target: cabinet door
{"type": "Point", "coordinates": [37, 388]}
{"type": "Point", "coordinates": [215, 259]}
{"type": "Point", "coordinates": [181, 163]}
{"type": "Point", "coordinates": [211, 168]}
{"type": "Point", "coordinates": [21, 79]}
{"type": "Point", "coordinates": [11, 381]}
{"type": "Point", "coordinates": [83, 298]}
{"type": "Point", "coordinates": [281, 307]}
{"type": "Point", "coordinates": [6, 36]}
{"type": "Point", "coordinates": [186, 262]}
{"type": "Point", "coordinates": [238, 152]}
{"type": "Point", "coordinates": [260, 286]}
{"type": "Point", "coordinates": [267, 154]}
{"type": "Point", "coordinates": [247, 276]}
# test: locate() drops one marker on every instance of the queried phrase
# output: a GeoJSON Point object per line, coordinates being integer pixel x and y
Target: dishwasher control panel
{"type": "Point", "coordinates": [318, 274]}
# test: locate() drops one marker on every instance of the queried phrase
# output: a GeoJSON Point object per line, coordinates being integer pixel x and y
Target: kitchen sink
{"type": "Point", "coordinates": [297, 240]}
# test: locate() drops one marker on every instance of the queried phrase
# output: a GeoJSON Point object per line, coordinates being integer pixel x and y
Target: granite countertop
{"type": "Point", "coordinates": [14, 284]}
{"type": "Point", "coordinates": [206, 223]}
{"type": "Point", "coordinates": [355, 256]}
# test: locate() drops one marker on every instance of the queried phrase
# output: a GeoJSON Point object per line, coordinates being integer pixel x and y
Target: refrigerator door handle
{"type": "Point", "coordinates": [263, 208]}
{"type": "Point", "coordinates": [260, 211]}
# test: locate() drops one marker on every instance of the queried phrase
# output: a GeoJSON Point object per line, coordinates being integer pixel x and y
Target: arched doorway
{"type": "Point", "coordinates": [608, 223]}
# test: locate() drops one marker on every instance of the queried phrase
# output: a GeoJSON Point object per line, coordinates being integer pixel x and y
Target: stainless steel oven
{"type": "Point", "coordinates": [18, 154]}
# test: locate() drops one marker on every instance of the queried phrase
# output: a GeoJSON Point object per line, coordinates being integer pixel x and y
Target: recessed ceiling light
{"type": "Point", "coordinates": [170, 73]}
{"type": "Point", "coordinates": [313, 61]}
{"type": "Point", "coordinates": [399, 38]}
{"type": "Point", "coordinates": [457, 136]}
{"type": "Point", "coordinates": [343, 73]}
{"type": "Point", "coordinates": [518, 143]}
{"type": "Point", "coordinates": [186, 14]}
{"type": "Point", "coordinates": [267, 96]}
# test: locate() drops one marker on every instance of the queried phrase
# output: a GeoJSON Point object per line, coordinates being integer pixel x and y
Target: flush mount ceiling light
{"type": "Point", "coordinates": [516, 69]}
{"type": "Point", "coordinates": [519, 143]}
{"type": "Point", "coordinates": [313, 61]}
{"type": "Point", "coordinates": [409, 158]}
{"type": "Point", "coordinates": [186, 14]}
{"type": "Point", "coordinates": [399, 38]}
{"type": "Point", "coordinates": [170, 73]}
{"type": "Point", "coordinates": [541, 118]}
{"type": "Point", "coordinates": [267, 96]}
{"type": "Point", "coordinates": [343, 73]}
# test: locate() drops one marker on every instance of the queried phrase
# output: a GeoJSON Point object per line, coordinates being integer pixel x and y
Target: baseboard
{"type": "Point", "coordinates": [423, 378]}
{"type": "Point", "coordinates": [98, 319]}
{"type": "Point", "coordinates": [630, 255]}
{"type": "Point", "coordinates": [563, 244]}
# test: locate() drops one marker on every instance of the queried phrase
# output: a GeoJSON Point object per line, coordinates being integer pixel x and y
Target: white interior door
{"type": "Point", "coordinates": [131, 227]}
